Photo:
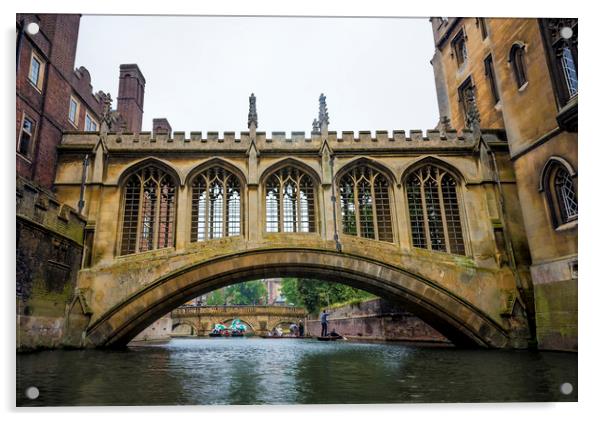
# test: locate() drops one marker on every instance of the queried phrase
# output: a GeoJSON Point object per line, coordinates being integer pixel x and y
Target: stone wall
{"type": "Point", "coordinates": [376, 319]}
{"type": "Point", "coordinates": [48, 257]}
{"type": "Point", "coordinates": [160, 330]}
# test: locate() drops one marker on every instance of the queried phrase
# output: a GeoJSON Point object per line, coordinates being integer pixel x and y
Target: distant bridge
{"type": "Point", "coordinates": [260, 319]}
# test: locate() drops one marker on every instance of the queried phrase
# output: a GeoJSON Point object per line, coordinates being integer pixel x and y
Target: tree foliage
{"type": "Point", "coordinates": [244, 293]}
{"type": "Point", "coordinates": [314, 295]}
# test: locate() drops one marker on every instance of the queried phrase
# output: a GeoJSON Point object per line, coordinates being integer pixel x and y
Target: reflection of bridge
{"type": "Point", "coordinates": [260, 319]}
{"type": "Point", "coordinates": [418, 219]}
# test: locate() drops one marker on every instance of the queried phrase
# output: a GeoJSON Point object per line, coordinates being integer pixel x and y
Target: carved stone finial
{"type": "Point", "coordinates": [252, 111]}
{"type": "Point", "coordinates": [444, 125]}
{"type": "Point", "coordinates": [323, 115]}
{"type": "Point", "coordinates": [106, 120]}
{"type": "Point", "coordinates": [315, 127]}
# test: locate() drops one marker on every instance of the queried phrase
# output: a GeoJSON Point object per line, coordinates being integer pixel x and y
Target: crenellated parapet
{"type": "Point", "coordinates": [41, 208]}
{"type": "Point", "coordinates": [230, 141]}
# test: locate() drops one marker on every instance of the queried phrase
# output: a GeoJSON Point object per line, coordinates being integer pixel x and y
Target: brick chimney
{"type": "Point", "coordinates": [130, 99]}
{"type": "Point", "coordinates": [161, 126]}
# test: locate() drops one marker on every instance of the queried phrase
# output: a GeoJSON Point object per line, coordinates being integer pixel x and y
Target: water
{"type": "Point", "coordinates": [288, 371]}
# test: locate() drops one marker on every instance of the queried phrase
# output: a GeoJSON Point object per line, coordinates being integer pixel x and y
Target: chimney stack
{"type": "Point", "coordinates": [161, 126]}
{"type": "Point", "coordinates": [130, 100]}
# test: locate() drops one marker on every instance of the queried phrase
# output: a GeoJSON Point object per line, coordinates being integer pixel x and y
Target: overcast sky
{"type": "Point", "coordinates": [200, 71]}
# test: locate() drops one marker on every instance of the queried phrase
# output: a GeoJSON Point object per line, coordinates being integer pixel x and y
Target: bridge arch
{"type": "Point", "coordinates": [456, 318]}
{"type": "Point", "coordinates": [252, 326]}
{"type": "Point", "coordinates": [288, 320]}
{"type": "Point", "coordinates": [192, 326]}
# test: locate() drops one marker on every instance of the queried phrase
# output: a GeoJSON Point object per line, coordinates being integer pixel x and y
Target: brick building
{"type": "Point", "coordinates": [53, 98]}
{"type": "Point", "coordinates": [521, 76]}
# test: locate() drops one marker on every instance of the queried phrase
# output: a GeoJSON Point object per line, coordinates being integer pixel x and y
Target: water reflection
{"type": "Point", "coordinates": [256, 371]}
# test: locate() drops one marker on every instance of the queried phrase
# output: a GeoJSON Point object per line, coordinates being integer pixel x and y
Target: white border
{"type": "Point", "coordinates": [589, 342]}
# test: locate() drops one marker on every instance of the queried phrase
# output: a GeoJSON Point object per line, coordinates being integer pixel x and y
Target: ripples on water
{"type": "Point", "coordinates": [260, 371]}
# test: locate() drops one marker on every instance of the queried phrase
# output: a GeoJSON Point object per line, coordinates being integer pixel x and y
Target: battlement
{"type": "Point", "coordinates": [39, 206]}
{"type": "Point", "coordinates": [296, 140]}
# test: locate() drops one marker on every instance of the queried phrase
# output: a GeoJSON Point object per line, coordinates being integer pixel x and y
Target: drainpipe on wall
{"type": "Point", "coordinates": [20, 41]}
{"type": "Point", "coordinates": [81, 202]}
{"type": "Point", "coordinates": [507, 242]}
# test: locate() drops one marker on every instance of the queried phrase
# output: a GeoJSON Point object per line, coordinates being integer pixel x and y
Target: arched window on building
{"type": "Point", "coordinates": [364, 201]}
{"type": "Point", "coordinates": [517, 60]}
{"type": "Point", "coordinates": [148, 221]}
{"type": "Point", "coordinates": [561, 41]}
{"type": "Point", "coordinates": [434, 211]}
{"type": "Point", "coordinates": [561, 193]}
{"type": "Point", "coordinates": [290, 201]}
{"type": "Point", "coordinates": [216, 205]}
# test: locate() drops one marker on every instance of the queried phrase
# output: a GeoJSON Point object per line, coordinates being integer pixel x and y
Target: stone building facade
{"type": "Point", "coordinates": [522, 76]}
{"type": "Point", "coordinates": [51, 99]}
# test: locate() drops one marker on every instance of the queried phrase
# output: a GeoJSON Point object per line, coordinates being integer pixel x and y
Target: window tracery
{"type": "Point", "coordinates": [290, 201]}
{"type": "Point", "coordinates": [364, 201]}
{"type": "Point", "coordinates": [435, 221]}
{"type": "Point", "coordinates": [148, 211]}
{"type": "Point", "coordinates": [216, 205]}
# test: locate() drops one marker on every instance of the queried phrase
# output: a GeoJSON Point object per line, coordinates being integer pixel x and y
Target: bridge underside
{"type": "Point", "coordinates": [462, 322]}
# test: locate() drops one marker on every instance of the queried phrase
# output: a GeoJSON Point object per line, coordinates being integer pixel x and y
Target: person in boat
{"type": "Point", "coordinates": [301, 328]}
{"type": "Point", "coordinates": [324, 321]}
{"type": "Point", "coordinates": [293, 329]}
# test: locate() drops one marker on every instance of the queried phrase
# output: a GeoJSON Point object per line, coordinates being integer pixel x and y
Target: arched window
{"type": "Point", "coordinates": [434, 211]}
{"type": "Point", "coordinates": [561, 194]}
{"type": "Point", "coordinates": [561, 44]}
{"type": "Point", "coordinates": [517, 60]}
{"type": "Point", "coordinates": [364, 199]}
{"type": "Point", "coordinates": [290, 201]}
{"type": "Point", "coordinates": [148, 211]}
{"type": "Point", "coordinates": [216, 205]}
{"type": "Point", "coordinates": [569, 71]}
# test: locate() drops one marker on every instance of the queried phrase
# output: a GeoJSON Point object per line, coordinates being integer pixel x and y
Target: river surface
{"type": "Point", "coordinates": [290, 371]}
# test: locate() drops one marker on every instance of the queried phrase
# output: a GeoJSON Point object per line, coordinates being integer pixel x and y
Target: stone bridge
{"type": "Point", "coordinates": [431, 220]}
{"type": "Point", "coordinates": [260, 319]}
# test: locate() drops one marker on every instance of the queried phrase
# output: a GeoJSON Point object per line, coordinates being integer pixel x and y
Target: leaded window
{"type": "Point", "coordinates": [148, 211]}
{"type": "Point", "coordinates": [25, 140]}
{"type": "Point", "coordinates": [517, 60]}
{"type": "Point", "coordinates": [569, 71]}
{"type": "Point", "coordinates": [364, 201]}
{"type": "Point", "coordinates": [561, 42]}
{"type": "Point", "coordinates": [567, 197]}
{"type": "Point", "coordinates": [216, 205]}
{"type": "Point", "coordinates": [459, 49]}
{"type": "Point", "coordinates": [490, 74]}
{"type": "Point", "coordinates": [290, 201]}
{"type": "Point", "coordinates": [435, 222]}
{"type": "Point", "coordinates": [562, 194]}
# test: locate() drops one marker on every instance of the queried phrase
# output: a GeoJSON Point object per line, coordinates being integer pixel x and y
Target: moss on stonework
{"type": "Point", "coordinates": [556, 314]}
{"type": "Point", "coordinates": [465, 262]}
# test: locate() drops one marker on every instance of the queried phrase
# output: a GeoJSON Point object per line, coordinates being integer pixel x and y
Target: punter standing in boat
{"type": "Point", "coordinates": [324, 321]}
